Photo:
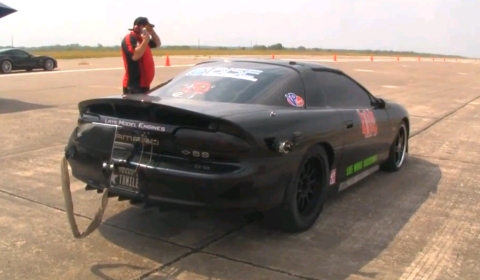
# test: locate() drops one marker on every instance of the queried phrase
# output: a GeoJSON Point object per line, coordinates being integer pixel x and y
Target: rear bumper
{"type": "Point", "coordinates": [255, 185]}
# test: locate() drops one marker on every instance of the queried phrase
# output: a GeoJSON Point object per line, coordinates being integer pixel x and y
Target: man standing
{"type": "Point", "coordinates": [138, 58]}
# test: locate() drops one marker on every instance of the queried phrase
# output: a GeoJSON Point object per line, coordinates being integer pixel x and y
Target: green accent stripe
{"type": "Point", "coordinates": [356, 167]}
{"type": "Point", "coordinates": [369, 161]}
{"type": "Point", "coordinates": [349, 170]}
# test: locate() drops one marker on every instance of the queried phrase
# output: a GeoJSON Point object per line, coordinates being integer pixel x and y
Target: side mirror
{"type": "Point", "coordinates": [381, 103]}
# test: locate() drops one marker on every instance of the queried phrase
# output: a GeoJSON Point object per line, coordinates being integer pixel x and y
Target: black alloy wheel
{"type": "Point", "coordinates": [305, 195]}
{"type": "Point", "coordinates": [309, 186]}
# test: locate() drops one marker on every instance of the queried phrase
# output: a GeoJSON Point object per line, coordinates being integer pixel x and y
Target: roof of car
{"type": "Point", "coordinates": [6, 49]}
{"type": "Point", "coordinates": [283, 62]}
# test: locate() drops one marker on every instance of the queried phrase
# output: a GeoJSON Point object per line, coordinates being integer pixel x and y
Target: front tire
{"type": "Point", "coordinates": [6, 67]}
{"type": "Point", "coordinates": [305, 196]}
{"type": "Point", "coordinates": [398, 150]}
{"type": "Point", "coordinates": [48, 65]}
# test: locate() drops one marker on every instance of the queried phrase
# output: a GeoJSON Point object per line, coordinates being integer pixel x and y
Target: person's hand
{"type": "Point", "coordinates": [150, 29]}
{"type": "Point", "coordinates": [145, 36]}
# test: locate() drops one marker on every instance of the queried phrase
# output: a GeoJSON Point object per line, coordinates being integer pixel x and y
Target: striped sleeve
{"type": "Point", "coordinates": [131, 43]}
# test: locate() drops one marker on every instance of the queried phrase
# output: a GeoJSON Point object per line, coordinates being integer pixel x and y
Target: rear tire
{"type": "Point", "coordinates": [305, 195]}
{"type": "Point", "coordinates": [398, 150]}
{"type": "Point", "coordinates": [6, 66]}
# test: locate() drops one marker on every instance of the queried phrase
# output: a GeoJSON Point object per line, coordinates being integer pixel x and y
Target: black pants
{"type": "Point", "coordinates": [135, 90]}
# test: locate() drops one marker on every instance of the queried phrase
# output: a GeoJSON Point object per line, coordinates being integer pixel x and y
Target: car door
{"type": "Point", "coordinates": [328, 119]}
{"type": "Point", "coordinates": [19, 58]}
{"type": "Point", "coordinates": [16, 61]}
{"type": "Point", "coordinates": [366, 127]}
{"type": "Point", "coordinates": [29, 61]}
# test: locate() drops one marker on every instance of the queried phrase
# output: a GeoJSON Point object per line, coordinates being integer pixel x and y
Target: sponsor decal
{"type": "Point", "coordinates": [333, 176]}
{"type": "Point", "coordinates": [197, 87]}
{"type": "Point", "coordinates": [151, 127]}
{"type": "Point", "coordinates": [191, 90]}
{"type": "Point", "coordinates": [369, 123]}
{"type": "Point", "coordinates": [226, 72]}
{"type": "Point", "coordinates": [133, 124]}
{"type": "Point", "coordinates": [294, 100]}
{"type": "Point", "coordinates": [180, 94]}
{"type": "Point", "coordinates": [354, 168]}
{"type": "Point", "coordinates": [135, 139]}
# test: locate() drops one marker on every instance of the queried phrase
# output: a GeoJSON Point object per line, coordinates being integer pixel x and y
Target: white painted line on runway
{"type": "Point", "coordinates": [363, 70]}
{"type": "Point", "coordinates": [80, 70]}
{"type": "Point", "coordinates": [462, 73]}
{"type": "Point", "coordinates": [386, 86]}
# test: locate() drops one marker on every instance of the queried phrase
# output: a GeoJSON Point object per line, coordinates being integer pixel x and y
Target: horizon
{"type": "Point", "coordinates": [432, 26]}
{"type": "Point", "coordinates": [78, 47]}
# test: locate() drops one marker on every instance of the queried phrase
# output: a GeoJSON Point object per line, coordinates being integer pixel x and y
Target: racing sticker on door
{"type": "Point", "coordinates": [369, 123]}
{"type": "Point", "coordinates": [333, 176]}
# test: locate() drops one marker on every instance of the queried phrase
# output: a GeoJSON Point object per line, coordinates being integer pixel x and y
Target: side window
{"type": "Point", "coordinates": [341, 92]}
{"type": "Point", "coordinates": [18, 53]}
{"type": "Point", "coordinates": [292, 93]}
{"type": "Point", "coordinates": [315, 96]}
{"type": "Point", "coordinates": [287, 91]}
{"type": "Point", "coordinates": [23, 54]}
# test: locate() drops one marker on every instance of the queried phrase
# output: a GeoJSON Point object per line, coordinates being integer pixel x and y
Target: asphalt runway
{"type": "Point", "coordinates": [419, 223]}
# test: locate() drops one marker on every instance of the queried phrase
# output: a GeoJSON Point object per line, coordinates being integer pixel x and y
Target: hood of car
{"type": "Point", "coordinates": [44, 57]}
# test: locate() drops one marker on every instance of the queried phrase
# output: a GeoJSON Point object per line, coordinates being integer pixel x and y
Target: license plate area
{"type": "Point", "coordinates": [125, 179]}
{"type": "Point", "coordinates": [126, 144]}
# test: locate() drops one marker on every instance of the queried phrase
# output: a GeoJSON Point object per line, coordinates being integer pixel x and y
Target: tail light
{"type": "Point", "coordinates": [204, 141]}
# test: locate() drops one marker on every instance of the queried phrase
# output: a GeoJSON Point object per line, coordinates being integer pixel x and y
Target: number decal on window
{"type": "Point", "coordinates": [369, 123]}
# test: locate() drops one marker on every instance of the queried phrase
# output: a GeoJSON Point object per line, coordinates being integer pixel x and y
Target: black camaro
{"type": "Point", "coordinates": [12, 59]}
{"type": "Point", "coordinates": [241, 134]}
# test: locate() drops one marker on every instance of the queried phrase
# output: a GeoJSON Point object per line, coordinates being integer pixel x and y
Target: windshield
{"type": "Point", "coordinates": [235, 82]}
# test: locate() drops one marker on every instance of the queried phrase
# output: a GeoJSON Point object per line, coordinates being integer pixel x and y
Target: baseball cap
{"type": "Point", "coordinates": [142, 21]}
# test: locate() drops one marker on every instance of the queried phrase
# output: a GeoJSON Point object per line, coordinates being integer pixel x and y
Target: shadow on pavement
{"type": "Point", "coordinates": [355, 227]}
{"type": "Point", "coordinates": [181, 227]}
{"type": "Point", "coordinates": [13, 106]}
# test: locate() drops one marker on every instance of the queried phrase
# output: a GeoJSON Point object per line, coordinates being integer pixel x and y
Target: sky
{"type": "Point", "coordinates": [433, 26]}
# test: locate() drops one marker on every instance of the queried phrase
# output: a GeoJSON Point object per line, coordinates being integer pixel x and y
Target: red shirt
{"type": "Point", "coordinates": [138, 73]}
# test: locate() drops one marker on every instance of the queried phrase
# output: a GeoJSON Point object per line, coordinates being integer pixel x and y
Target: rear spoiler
{"type": "Point", "coordinates": [159, 86]}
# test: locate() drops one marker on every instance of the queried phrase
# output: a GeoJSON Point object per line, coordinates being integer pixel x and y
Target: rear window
{"type": "Point", "coordinates": [237, 82]}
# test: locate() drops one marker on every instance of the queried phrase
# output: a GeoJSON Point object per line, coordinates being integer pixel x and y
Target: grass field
{"type": "Point", "coordinates": [97, 53]}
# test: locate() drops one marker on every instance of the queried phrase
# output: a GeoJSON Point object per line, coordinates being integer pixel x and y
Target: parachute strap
{"type": "Point", "coordinates": [67, 195]}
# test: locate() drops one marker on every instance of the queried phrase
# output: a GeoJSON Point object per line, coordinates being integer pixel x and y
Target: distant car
{"type": "Point", "coordinates": [261, 135]}
{"type": "Point", "coordinates": [12, 59]}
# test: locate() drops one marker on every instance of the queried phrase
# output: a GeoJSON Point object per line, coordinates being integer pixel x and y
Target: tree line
{"type": "Point", "coordinates": [274, 47]}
